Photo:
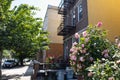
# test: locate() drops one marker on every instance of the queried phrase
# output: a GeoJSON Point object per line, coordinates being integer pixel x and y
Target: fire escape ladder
{"type": "Point", "coordinates": [64, 28]}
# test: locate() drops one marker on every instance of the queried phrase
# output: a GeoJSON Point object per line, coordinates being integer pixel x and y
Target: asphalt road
{"type": "Point", "coordinates": [17, 73]}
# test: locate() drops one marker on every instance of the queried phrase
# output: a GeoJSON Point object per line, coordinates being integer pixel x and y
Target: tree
{"type": "Point", "coordinates": [26, 32]}
{"type": "Point", "coordinates": [4, 11]}
{"type": "Point", "coordinates": [20, 31]}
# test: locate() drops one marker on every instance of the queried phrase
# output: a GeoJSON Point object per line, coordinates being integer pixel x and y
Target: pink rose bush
{"type": "Point", "coordinates": [92, 46]}
{"type": "Point", "coordinates": [99, 24]}
{"type": "Point", "coordinates": [77, 36]}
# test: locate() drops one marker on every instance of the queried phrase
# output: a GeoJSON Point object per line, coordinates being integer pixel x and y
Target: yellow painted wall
{"type": "Point", "coordinates": [54, 20]}
{"type": "Point", "coordinates": [51, 23]}
{"type": "Point", "coordinates": [107, 11]}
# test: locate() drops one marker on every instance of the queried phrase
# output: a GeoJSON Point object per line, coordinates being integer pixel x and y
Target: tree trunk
{"type": "Point", "coordinates": [0, 64]}
{"type": "Point", "coordinates": [44, 55]}
{"type": "Point", "coordinates": [21, 61]}
{"type": "Point", "coordinates": [40, 56]}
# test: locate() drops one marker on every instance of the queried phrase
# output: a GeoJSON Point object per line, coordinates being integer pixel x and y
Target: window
{"type": "Point", "coordinates": [73, 18]}
{"type": "Point", "coordinates": [80, 10]}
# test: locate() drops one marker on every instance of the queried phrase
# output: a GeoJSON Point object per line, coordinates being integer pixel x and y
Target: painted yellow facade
{"type": "Point", "coordinates": [107, 11]}
{"type": "Point", "coordinates": [52, 22]}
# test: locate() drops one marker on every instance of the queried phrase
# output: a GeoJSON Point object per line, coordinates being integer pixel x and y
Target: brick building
{"type": "Point", "coordinates": [77, 14]}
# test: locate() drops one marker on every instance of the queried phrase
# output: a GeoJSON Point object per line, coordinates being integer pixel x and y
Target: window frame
{"type": "Point", "coordinates": [73, 18]}
{"type": "Point", "coordinates": [80, 12]}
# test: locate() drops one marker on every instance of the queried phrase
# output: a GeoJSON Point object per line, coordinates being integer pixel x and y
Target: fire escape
{"type": "Point", "coordinates": [65, 26]}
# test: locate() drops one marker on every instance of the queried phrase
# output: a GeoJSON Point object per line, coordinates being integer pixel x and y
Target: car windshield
{"type": "Point", "coordinates": [9, 61]}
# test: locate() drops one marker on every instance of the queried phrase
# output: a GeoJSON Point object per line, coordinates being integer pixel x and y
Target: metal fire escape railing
{"type": "Point", "coordinates": [63, 6]}
{"type": "Point", "coordinates": [60, 28]}
{"type": "Point", "coordinates": [62, 9]}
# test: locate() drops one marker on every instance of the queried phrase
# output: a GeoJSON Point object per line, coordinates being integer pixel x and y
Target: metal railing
{"type": "Point", "coordinates": [61, 7]}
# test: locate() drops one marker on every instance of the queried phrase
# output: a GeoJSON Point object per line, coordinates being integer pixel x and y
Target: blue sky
{"type": "Point", "coordinates": [42, 4]}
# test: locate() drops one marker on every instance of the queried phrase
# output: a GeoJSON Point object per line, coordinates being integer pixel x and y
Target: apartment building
{"type": "Point", "coordinates": [51, 22]}
{"type": "Point", "coordinates": [77, 14]}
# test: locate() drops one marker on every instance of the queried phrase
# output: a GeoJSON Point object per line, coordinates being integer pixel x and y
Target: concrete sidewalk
{"type": "Point", "coordinates": [26, 78]}
{"type": "Point", "coordinates": [28, 73]}
{"type": "Point", "coordinates": [18, 72]}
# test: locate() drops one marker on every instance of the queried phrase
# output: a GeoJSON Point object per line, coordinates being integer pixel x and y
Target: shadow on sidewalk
{"type": "Point", "coordinates": [29, 71]}
{"type": "Point", "coordinates": [16, 77]}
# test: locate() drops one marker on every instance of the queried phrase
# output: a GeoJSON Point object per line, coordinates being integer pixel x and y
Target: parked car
{"type": "Point", "coordinates": [9, 63]}
{"type": "Point", "coordinates": [26, 60]}
{"type": "Point", "coordinates": [3, 60]}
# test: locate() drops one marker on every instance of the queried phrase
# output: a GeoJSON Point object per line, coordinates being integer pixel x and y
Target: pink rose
{"type": "Point", "coordinates": [73, 57]}
{"type": "Point", "coordinates": [83, 45]}
{"type": "Point", "coordinates": [75, 43]}
{"type": "Point", "coordinates": [90, 74]}
{"type": "Point", "coordinates": [79, 66]}
{"type": "Point", "coordinates": [111, 78]}
{"type": "Point", "coordinates": [106, 55]}
{"type": "Point", "coordinates": [116, 40]}
{"type": "Point", "coordinates": [77, 36]}
{"type": "Point", "coordinates": [118, 61]}
{"type": "Point", "coordinates": [74, 49]}
{"type": "Point", "coordinates": [71, 50]}
{"type": "Point", "coordinates": [86, 40]}
{"type": "Point", "coordinates": [82, 59]}
{"type": "Point", "coordinates": [83, 51]}
{"type": "Point", "coordinates": [84, 33]}
{"type": "Point", "coordinates": [99, 24]}
{"type": "Point", "coordinates": [105, 51]}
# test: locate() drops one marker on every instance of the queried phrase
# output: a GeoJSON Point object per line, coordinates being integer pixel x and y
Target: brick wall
{"type": "Point", "coordinates": [56, 50]}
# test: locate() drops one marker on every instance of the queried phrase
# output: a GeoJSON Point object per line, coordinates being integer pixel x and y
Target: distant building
{"type": "Point", "coordinates": [51, 22]}
{"type": "Point", "coordinates": [77, 14]}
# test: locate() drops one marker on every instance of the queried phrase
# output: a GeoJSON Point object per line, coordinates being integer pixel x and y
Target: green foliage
{"type": "Point", "coordinates": [107, 69]}
{"type": "Point", "coordinates": [104, 70]}
{"type": "Point", "coordinates": [4, 16]}
{"type": "Point", "coordinates": [21, 32]}
{"type": "Point", "coordinates": [6, 54]}
{"type": "Point", "coordinates": [4, 8]}
{"type": "Point", "coordinates": [4, 11]}
{"type": "Point", "coordinates": [27, 35]}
